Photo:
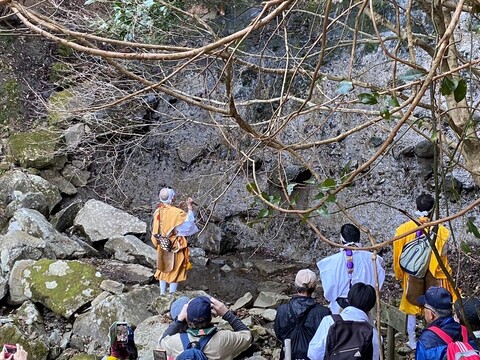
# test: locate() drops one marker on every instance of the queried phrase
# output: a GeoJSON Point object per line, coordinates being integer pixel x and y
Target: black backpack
{"type": "Point", "coordinates": [349, 340]}
{"type": "Point", "coordinates": [300, 337]}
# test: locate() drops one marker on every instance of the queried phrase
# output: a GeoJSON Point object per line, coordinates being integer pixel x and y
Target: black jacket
{"type": "Point", "coordinates": [288, 315]}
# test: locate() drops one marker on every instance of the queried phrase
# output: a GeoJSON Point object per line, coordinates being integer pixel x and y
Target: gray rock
{"type": "Point", "coordinates": [3, 287]}
{"type": "Point", "coordinates": [57, 245]}
{"type": "Point", "coordinates": [17, 245]}
{"type": "Point", "coordinates": [36, 201]}
{"type": "Point", "coordinates": [31, 321]}
{"type": "Point", "coordinates": [131, 273]}
{"type": "Point", "coordinates": [147, 334]}
{"type": "Point", "coordinates": [112, 286]}
{"type": "Point", "coordinates": [27, 183]}
{"type": "Point", "coordinates": [200, 261]}
{"type": "Point", "coordinates": [131, 249]}
{"type": "Point", "coordinates": [424, 149]}
{"type": "Point", "coordinates": [375, 141]}
{"type": "Point", "coordinates": [245, 301]}
{"type": "Point", "coordinates": [74, 135]}
{"type": "Point", "coordinates": [271, 267]}
{"type": "Point", "coordinates": [196, 252]}
{"type": "Point", "coordinates": [273, 286]}
{"type": "Point", "coordinates": [76, 176]}
{"type": "Point", "coordinates": [189, 153]}
{"type": "Point", "coordinates": [19, 288]}
{"type": "Point", "coordinates": [90, 328]}
{"type": "Point", "coordinates": [213, 239]}
{"type": "Point", "coordinates": [268, 300]}
{"type": "Point", "coordinates": [269, 314]}
{"type": "Point", "coordinates": [63, 219]}
{"type": "Point", "coordinates": [100, 221]}
{"type": "Point", "coordinates": [62, 184]}
{"type": "Point", "coordinates": [226, 268]}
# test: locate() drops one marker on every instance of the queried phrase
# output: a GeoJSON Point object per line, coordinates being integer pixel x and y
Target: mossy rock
{"type": "Point", "coordinates": [37, 149]}
{"type": "Point", "coordinates": [63, 286]}
{"type": "Point", "coordinates": [59, 73]}
{"type": "Point", "coordinates": [10, 91]}
{"type": "Point", "coordinates": [36, 349]}
{"type": "Point", "coordinates": [62, 104]}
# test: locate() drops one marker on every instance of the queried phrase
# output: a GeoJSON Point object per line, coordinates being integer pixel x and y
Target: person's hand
{"type": "Point", "coordinates": [189, 203]}
{"type": "Point", "coordinates": [21, 354]}
{"type": "Point", "coordinates": [218, 308]}
{"type": "Point", "coordinates": [183, 313]}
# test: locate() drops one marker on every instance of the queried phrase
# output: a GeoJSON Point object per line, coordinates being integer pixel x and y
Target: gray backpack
{"type": "Point", "coordinates": [415, 256]}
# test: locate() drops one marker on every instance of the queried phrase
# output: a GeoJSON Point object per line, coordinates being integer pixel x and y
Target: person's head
{"type": "Point", "coordinates": [305, 282]}
{"type": "Point", "coordinates": [437, 303]}
{"type": "Point", "coordinates": [362, 296]}
{"type": "Point", "coordinates": [425, 203]}
{"type": "Point", "coordinates": [471, 308]}
{"type": "Point", "coordinates": [166, 195]}
{"type": "Point", "coordinates": [350, 234]}
{"type": "Point", "coordinates": [199, 312]}
{"type": "Point", "coordinates": [177, 306]}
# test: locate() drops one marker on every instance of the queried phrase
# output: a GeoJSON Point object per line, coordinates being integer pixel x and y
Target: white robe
{"type": "Point", "coordinates": [334, 275]}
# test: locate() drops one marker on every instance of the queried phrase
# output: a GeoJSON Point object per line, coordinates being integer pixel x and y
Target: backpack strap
{"type": "Point", "coordinates": [336, 318]}
{"type": "Point", "coordinates": [464, 334]}
{"type": "Point", "coordinates": [441, 334]}
{"type": "Point", "coordinates": [202, 341]}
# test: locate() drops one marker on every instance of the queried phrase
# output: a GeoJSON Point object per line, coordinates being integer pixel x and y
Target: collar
{"type": "Point", "coordinates": [352, 313]}
{"type": "Point", "coordinates": [202, 332]}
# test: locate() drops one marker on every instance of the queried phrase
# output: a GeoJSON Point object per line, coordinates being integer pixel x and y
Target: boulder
{"type": "Point", "coordinates": [112, 286]}
{"type": "Point", "coordinates": [269, 300]}
{"type": "Point", "coordinates": [11, 334]}
{"type": "Point", "coordinates": [213, 239]}
{"type": "Point", "coordinates": [74, 135]}
{"type": "Point", "coordinates": [63, 219]}
{"type": "Point", "coordinates": [30, 321]}
{"type": "Point", "coordinates": [273, 286]}
{"type": "Point", "coordinates": [27, 183]}
{"type": "Point", "coordinates": [128, 274]}
{"type": "Point", "coordinates": [147, 334]}
{"type": "Point", "coordinates": [62, 184]}
{"type": "Point", "coordinates": [270, 267]}
{"type": "Point", "coordinates": [18, 245]}
{"type": "Point", "coordinates": [33, 200]}
{"type": "Point", "coordinates": [245, 301]}
{"type": "Point", "coordinates": [424, 149]}
{"type": "Point", "coordinates": [62, 286]}
{"type": "Point", "coordinates": [57, 245]}
{"type": "Point", "coordinates": [3, 287]}
{"type": "Point", "coordinates": [100, 221]}
{"type": "Point", "coordinates": [90, 329]}
{"type": "Point", "coordinates": [37, 149]}
{"type": "Point", "coordinates": [131, 249]}
{"type": "Point", "coordinates": [76, 176]}
{"type": "Point", "coordinates": [18, 286]}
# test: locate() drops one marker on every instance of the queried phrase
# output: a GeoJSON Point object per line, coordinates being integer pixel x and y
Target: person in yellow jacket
{"type": "Point", "coordinates": [175, 223]}
{"type": "Point", "coordinates": [435, 275]}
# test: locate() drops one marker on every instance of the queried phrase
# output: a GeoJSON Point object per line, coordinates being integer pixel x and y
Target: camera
{"type": "Point", "coordinates": [159, 354]}
{"type": "Point", "coordinates": [122, 332]}
{"type": "Point", "coordinates": [9, 350]}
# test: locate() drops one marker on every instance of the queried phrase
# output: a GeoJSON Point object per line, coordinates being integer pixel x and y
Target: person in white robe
{"type": "Point", "coordinates": [338, 272]}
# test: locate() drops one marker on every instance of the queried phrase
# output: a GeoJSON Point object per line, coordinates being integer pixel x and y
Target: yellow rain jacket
{"type": "Point", "coordinates": [434, 267]}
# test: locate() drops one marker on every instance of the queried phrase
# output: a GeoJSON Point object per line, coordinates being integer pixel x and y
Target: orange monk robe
{"type": "Point", "coordinates": [433, 267]}
{"type": "Point", "coordinates": [171, 217]}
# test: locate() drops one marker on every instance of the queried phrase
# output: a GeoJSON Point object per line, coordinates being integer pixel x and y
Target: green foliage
{"type": "Point", "coordinates": [455, 85]}
{"type": "Point", "coordinates": [344, 87]}
{"type": "Point", "coordinates": [386, 102]}
{"type": "Point", "coordinates": [472, 228]}
{"type": "Point", "coordinates": [137, 19]}
{"type": "Point", "coordinates": [412, 75]}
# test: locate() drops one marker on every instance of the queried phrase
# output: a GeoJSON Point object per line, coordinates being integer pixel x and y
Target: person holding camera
{"type": "Point", "coordinates": [172, 224]}
{"type": "Point", "coordinates": [14, 352]}
{"type": "Point", "coordinates": [122, 342]}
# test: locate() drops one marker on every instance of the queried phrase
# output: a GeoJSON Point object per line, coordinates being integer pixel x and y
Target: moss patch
{"type": "Point", "coordinates": [59, 104]}
{"type": "Point", "coordinates": [63, 286]}
{"type": "Point", "coordinates": [9, 100]}
{"type": "Point", "coordinates": [35, 149]}
{"type": "Point", "coordinates": [59, 73]}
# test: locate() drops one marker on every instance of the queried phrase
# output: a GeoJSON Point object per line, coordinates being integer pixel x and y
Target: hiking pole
{"type": "Point", "coordinates": [288, 349]}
